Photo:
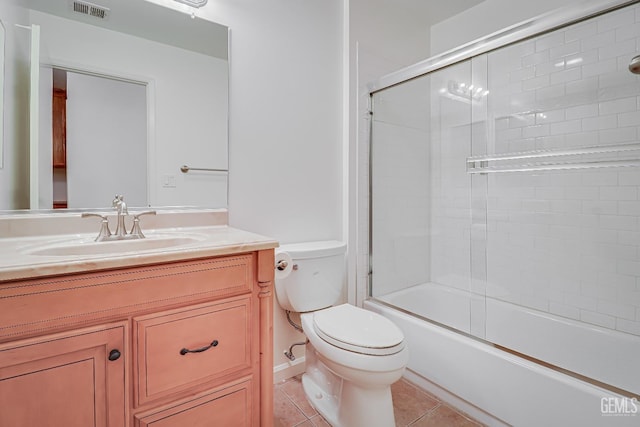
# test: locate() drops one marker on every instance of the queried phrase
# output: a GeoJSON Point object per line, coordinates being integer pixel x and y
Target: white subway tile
{"type": "Point", "coordinates": [618, 84]}
{"type": "Point", "coordinates": [536, 58]}
{"type": "Point", "coordinates": [618, 193]}
{"type": "Point", "coordinates": [566, 206]}
{"type": "Point", "coordinates": [595, 235]}
{"type": "Point", "coordinates": [626, 48]}
{"type": "Point", "coordinates": [536, 82]}
{"type": "Point", "coordinates": [628, 32]}
{"type": "Point", "coordinates": [581, 30]}
{"type": "Point", "coordinates": [598, 207]}
{"type": "Point", "coordinates": [550, 193]}
{"type": "Point", "coordinates": [629, 208]}
{"type": "Point", "coordinates": [582, 58]}
{"type": "Point", "coordinates": [551, 116]}
{"type": "Point", "coordinates": [564, 310]}
{"type": "Point", "coordinates": [628, 238]}
{"type": "Point", "coordinates": [629, 267]}
{"type": "Point", "coordinates": [631, 118]}
{"type": "Point", "coordinates": [569, 75]}
{"type": "Point", "coordinates": [582, 139]}
{"type": "Point", "coordinates": [535, 131]}
{"type": "Point", "coordinates": [631, 177]}
{"type": "Point", "coordinates": [624, 311]}
{"type": "Point", "coordinates": [600, 122]}
{"type": "Point", "coordinates": [616, 19]}
{"type": "Point", "coordinates": [583, 302]}
{"type": "Point", "coordinates": [628, 326]}
{"type": "Point", "coordinates": [582, 193]}
{"type": "Point", "coordinates": [587, 88]}
{"type": "Point", "coordinates": [597, 40]}
{"type": "Point", "coordinates": [536, 205]}
{"type": "Point", "coordinates": [560, 52]}
{"type": "Point", "coordinates": [550, 40]}
{"type": "Point", "coordinates": [521, 120]}
{"type": "Point", "coordinates": [622, 105]}
{"type": "Point", "coordinates": [600, 178]}
{"type": "Point", "coordinates": [550, 142]}
{"type": "Point", "coordinates": [618, 222]}
{"type": "Point", "coordinates": [550, 96]}
{"type": "Point", "coordinates": [569, 126]}
{"type": "Point", "coordinates": [582, 111]}
{"type": "Point", "coordinates": [598, 319]}
{"type": "Point", "coordinates": [547, 68]}
{"type": "Point", "coordinates": [520, 74]}
{"type": "Point", "coordinates": [600, 68]}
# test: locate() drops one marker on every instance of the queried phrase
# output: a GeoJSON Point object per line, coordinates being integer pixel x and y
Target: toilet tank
{"type": "Point", "coordinates": [315, 277]}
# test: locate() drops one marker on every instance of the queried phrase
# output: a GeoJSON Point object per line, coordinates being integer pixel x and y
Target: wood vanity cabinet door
{"type": "Point", "coordinates": [65, 379]}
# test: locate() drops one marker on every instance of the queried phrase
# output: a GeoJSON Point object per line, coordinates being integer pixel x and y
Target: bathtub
{"type": "Point", "coordinates": [499, 387]}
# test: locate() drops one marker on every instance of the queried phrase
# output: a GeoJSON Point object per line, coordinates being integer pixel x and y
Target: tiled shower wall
{"type": "Point", "coordinates": [564, 242]}
{"type": "Point", "coordinates": [567, 242]}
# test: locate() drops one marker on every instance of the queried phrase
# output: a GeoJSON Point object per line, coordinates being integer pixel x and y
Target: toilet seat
{"type": "Point", "coordinates": [358, 330]}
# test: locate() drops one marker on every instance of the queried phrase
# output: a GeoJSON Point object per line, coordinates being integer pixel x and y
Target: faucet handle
{"type": "Point", "coordinates": [136, 231]}
{"type": "Point", "coordinates": [104, 233]}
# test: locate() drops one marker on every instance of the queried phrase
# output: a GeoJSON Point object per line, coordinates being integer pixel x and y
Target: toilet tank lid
{"type": "Point", "coordinates": [317, 249]}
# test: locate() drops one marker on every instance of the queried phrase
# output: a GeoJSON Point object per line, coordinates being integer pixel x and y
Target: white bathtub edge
{"type": "Point", "coordinates": [510, 388]}
{"type": "Point", "coordinates": [453, 400]}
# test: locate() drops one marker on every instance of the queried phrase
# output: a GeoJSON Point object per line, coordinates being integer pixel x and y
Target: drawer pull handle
{"type": "Point", "coordinates": [199, 350]}
{"type": "Point", "coordinates": [114, 355]}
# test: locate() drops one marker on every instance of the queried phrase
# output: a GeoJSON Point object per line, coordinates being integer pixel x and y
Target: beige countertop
{"type": "Point", "coordinates": [24, 255]}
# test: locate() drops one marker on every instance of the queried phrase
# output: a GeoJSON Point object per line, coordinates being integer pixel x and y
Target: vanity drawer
{"type": "Point", "coordinates": [230, 406]}
{"type": "Point", "coordinates": [180, 349]}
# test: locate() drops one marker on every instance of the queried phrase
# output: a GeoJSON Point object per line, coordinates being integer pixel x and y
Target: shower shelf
{"type": "Point", "coordinates": [594, 157]}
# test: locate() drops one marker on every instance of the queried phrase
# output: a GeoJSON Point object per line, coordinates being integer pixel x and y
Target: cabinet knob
{"type": "Point", "coordinates": [114, 355]}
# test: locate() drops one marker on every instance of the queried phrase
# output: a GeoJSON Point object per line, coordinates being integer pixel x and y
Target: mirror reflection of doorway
{"type": "Point", "coordinates": [98, 141]}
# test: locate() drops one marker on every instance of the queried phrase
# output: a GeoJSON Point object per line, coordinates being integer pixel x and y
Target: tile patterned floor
{"type": "Point", "coordinates": [412, 407]}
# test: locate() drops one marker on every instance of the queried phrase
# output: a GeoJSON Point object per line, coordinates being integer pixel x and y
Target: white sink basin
{"type": "Point", "coordinates": [87, 246]}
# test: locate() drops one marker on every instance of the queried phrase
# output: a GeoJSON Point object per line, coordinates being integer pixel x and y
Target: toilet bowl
{"type": "Point", "coordinates": [352, 355]}
{"type": "Point", "coordinates": [365, 371]}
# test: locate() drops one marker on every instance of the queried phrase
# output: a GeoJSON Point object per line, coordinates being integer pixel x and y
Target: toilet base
{"type": "Point", "coordinates": [343, 403]}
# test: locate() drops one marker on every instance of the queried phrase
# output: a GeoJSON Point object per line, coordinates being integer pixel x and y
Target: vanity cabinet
{"type": "Point", "coordinates": [69, 379]}
{"type": "Point", "coordinates": [166, 344]}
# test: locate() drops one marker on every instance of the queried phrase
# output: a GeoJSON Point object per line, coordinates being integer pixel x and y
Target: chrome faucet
{"type": "Point", "coordinates": [121, 232]}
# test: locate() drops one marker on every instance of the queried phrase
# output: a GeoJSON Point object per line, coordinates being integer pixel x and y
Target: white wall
{"type": "Point", "coordinates": [285, 122]}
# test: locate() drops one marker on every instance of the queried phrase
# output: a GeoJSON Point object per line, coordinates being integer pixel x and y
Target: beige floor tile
{"type": "Point", "coordinates": [285, 413]}
{"type": "Point", "coordinates": [410, 402]}
{"type": "Point", "coordinates": [444, 416]}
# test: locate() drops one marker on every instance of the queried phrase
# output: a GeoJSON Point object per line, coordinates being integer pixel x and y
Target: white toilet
{"type": "Point", "coordinates": [353, 355]}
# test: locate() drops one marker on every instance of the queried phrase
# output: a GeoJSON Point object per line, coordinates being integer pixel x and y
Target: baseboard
{"type": "Point", "coordinates": [287, 370]}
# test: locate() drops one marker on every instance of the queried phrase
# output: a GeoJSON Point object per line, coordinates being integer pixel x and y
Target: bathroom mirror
{"type": "Point", "coordinates": [180, 61]}
{"type": "Point", "coordinates": [2, 32]}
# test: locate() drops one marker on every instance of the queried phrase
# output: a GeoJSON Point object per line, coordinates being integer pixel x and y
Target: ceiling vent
{"type": "Point", "coordinates": [90, 9]}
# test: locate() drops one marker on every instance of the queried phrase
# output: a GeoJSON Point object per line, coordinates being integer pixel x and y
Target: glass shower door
{"type": "Point", "coordinates": [421, 196]}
